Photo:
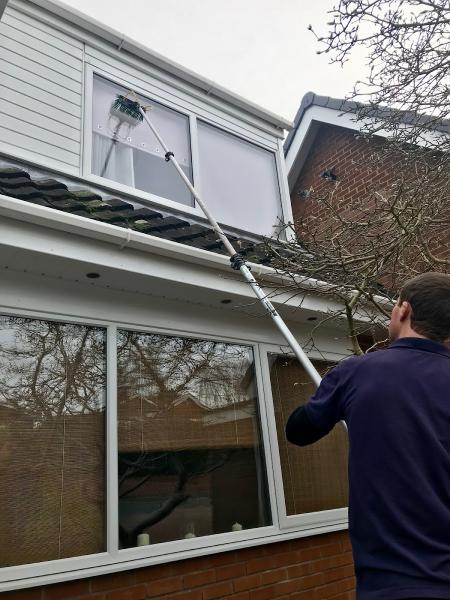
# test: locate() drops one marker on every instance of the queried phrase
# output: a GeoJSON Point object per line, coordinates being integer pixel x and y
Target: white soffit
{"type": "Point", "coordinates": [71, 246]}
{"type": "Point", "coordinates": [316, 115]}
{"type": "Point", "coordinates": [312, 117]}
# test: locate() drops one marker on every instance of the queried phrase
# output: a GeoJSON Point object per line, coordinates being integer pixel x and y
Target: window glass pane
{"type": "Point", "coordinates": [315, 476]}
{"type": "Point", "coordinates": [52, 448]}
{"type": "Point", "coordinates": [190, 451]}
{"type": "Point", "coordinates": [239, 181]}
{"type": "Point", "coordinates": [131, 154]}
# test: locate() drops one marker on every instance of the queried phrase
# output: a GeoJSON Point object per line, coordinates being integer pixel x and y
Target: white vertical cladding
{"type": "Point", "coordinates": [41, 72]}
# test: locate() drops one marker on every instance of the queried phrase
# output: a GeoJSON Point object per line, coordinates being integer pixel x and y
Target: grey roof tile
{"type": "Point", "coordinates": [9, 172]}
{"type": "Point", "coordinates": [146, 214]}
{"type": "Point", "coordinates": [350, 106]}
{"type": "Point", "coordinates": [25, 192]}
{"type": "Point", "coordinates": [190, 232]}
{"type": "Point", "coordinates": [86, 195]}
{"type": "Point", "coordinates": [50, 184]}
{"type": "Point", "coordinates": [51, 193]}
{"type": "Point", "coordinates": [16, 182]}
{"type": "Point", "coordinates": [162, 224]}
{"type": "Point", "coordinates": [116, 204]}
{"type": "Point", "coordinates": [108, 216]}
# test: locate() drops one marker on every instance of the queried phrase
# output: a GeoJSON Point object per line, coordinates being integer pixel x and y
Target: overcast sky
{"type": "Point", "coordinates": [260, 49]}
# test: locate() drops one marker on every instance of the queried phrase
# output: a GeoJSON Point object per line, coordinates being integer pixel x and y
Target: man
{"type": "Point", "coordinates": [396, 403]}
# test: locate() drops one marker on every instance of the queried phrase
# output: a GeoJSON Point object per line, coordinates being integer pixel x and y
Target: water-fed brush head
{"type": "Point", "coordinates": [126, 110]}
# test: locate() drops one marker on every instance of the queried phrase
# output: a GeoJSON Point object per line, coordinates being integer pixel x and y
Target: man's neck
{"type": "Point", "coordinates": [411, 334]}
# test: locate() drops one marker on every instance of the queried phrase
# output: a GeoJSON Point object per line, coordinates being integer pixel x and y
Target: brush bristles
{"type": "Point", "coordinates": [127, 107]}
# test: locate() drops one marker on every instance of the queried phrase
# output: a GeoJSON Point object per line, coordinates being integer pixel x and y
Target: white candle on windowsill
{"type": "Point", "coordinates": [236, 527]}
{"type": "Point", "coordinates": [143, 539]}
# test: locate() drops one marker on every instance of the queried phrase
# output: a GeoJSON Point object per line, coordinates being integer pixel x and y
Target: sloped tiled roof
{"type": "Point", "coordinates": [350, 106]}
{"type": "Point", "coordinates": [17, 183]}
{"type": "Point", "coordinates": [310, 99]}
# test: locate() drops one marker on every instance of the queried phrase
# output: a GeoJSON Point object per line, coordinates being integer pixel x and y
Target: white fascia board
{"type": "Point", "coordinates": [43, 230]}
{"type": "Point", "coordinates": [103, 232]}
{"type": "Point", "coordinates": [122, 41]}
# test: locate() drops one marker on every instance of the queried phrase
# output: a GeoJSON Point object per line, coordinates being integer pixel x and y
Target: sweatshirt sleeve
{"type": "Point", "coordinates": [324, 409]}
{"type": "Point", "coordinates": [300, 431]}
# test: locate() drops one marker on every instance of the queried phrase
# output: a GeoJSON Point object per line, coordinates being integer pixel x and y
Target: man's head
{"type": "Point", "coordinates": [423, 309]}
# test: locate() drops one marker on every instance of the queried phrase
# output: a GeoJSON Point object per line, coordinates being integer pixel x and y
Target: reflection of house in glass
{"type": "Point", "coordinates": [52, 440]}
{"type": "Point", "coordinates": [52, 488]}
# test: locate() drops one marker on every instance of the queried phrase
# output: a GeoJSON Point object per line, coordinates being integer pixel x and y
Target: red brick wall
{"type": "Point", "coordinates": [351, 156]}
{"type": "Point", "coordinates": [312, 568]}
{"type": "Point", "coordinates": [358, 176]}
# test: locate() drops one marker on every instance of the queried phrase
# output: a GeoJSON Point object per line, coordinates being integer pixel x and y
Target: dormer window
{"type": "Point", "coordinates": [234, 168]}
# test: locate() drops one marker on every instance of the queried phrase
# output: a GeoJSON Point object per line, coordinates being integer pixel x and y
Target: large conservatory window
{"type": "Point", "coordinates": [52, 446]}
{"type": "Point", "coordinates": [239, 181]}
{"type": "Point", "coordinates": [314, 477]}
{"type": "Point", "coordinates": [130, 154]}
{"type": "Point", "coordinates": [190, 453]}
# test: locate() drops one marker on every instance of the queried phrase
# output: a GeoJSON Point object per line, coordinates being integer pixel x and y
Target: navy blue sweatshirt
{"type": "Point", "coordinates": [396, 403]}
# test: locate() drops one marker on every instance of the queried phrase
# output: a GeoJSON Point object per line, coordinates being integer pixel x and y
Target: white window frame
{"type": "Point", "coordinates": [158, 202]}
{"type": "Point", "coordinates": [303, 521]}
{"type": "Point", "coordinates": [114, 560]}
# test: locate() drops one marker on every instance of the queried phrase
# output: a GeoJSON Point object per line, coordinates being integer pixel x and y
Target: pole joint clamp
{"type": "Point", "coordinates": [237, 260]}
{"type": "Point", "coordinates": [168, 155]}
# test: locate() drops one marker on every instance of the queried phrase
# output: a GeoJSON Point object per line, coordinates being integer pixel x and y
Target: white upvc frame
{"type": "Point", "coordinates": [158, 202]}
{"type": "Point", "coordinates": [112, 560]}
{"type": "Point", "coordinates": [142, 196]}
{"type": "Point", "coordinates": [304, 521]}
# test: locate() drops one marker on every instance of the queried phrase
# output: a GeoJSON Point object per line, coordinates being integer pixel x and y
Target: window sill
{"type": "Point", "coordinates": [22, 577]}
{"type": "Point", "coordinates": [140, 196]}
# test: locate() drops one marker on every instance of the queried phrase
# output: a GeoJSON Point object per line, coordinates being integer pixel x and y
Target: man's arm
{"type": "Point", "coordinates": [301, 431]}
{"type": "Point", "coordinates": [324, 409]}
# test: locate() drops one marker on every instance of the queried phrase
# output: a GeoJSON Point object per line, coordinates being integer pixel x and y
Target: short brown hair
{"type": "Point", "coordinates": [429, 297]}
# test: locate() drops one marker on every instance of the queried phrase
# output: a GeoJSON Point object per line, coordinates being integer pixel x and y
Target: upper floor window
{"type": "Point", "coordinates": [237, 179]}
{"type": "Point", "coordinates": [132, 155]}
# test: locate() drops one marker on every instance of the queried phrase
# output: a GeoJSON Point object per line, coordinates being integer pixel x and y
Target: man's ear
{"type": "Point", "coordinates": [405, 311]}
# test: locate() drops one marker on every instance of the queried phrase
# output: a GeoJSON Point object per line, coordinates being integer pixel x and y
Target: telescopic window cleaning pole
{"type": "Point", "coordinates": [237, 261]}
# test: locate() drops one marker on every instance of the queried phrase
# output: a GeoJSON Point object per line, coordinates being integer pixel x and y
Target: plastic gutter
{"type": "Point", "coordinates": [127, 238]}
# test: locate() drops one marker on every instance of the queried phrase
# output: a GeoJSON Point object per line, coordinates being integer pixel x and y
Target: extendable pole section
{"type": "Point", "coordinates": [238, 263]}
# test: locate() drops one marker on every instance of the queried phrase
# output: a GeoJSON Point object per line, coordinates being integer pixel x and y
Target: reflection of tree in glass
{"type": "Point", "coordinates": [164, 370]}
{"type": "Point", "coordinates": [159, 376]}
{"type": "Point", "coordinates": [52, 400]}
{"type": "Point", "coordinates": [49, 369]}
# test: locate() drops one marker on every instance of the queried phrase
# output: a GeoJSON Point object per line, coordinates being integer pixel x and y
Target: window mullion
{"type": "Point", "coordinates": [112, 495]}
{"type": "Point", "coordinates": [195, 154]}
{"type": "Point", "coordinates": [275, 481]}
